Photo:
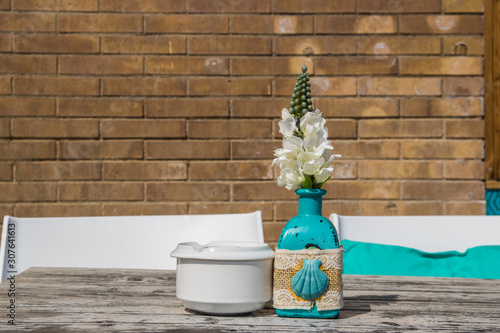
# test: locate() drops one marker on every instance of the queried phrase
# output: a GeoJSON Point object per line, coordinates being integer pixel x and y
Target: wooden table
{"type": "Point", "coordinates": [55, 300]}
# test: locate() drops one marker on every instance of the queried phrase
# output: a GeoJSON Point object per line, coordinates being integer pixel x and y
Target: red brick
{"type": "Point", "coordinates": [143, 128]}
{"type": "Point", "coordinates": [187, 65]}
{"type": "Point", "coordinates": [463, 6]}
{"type": "Point", "coordinates": [272, 231]}
{"type": "Point", "coordinates": [5, 171]}
{"type": "Point", "coordinates": [58, 171]}
{"type": "Point", "coordinates": [229, 86]}
{"type": "Point", "coordinates": [4, 5]}
{"type": "Point", "coordinates": [27, 149]}
{"type": "Point", "coordinates": [29, 22]}
{"type": "Point", "coordinates": [343, 170]}
{"type": "Point", "coordinates": [320, 86]}
{"type": "Point", "coordinates": [388, 208]}
{"type": "Point", "coordinates": [358, 107]}
{"type": "Point", "coordinates": [187, 107]}
{"type": "Point", "coordinates": [370, 149]}
{"type": "Point", "coordinates": [313, 6]}
{"type": "Point", "coordinates": [100, 65]}
{"type": "Point", "coordinates": [230, 45]}
{"type": "Point", "coordinates": [465, 208]}
{"type": "Point", "coordinates": [184, 24]}
{"type": "Point", "coordinates": [5, 44]}
{"type": "Point", "coordinates": [21, 106]}
{"type": "Point", "coordinates": [37, 43]}
{"type": "Point", "coordinates": [144, 208]}
{"type": "Point", "coordinates": [400, 169]}
{"type": "Point", "coordinates": [254, 149]}
{"type": "Point", "coordinates": [449, 107]}
{"type": "Point", "coordinates": [143, 6]}
{"type": "Point", "coordinates": [400, 6]}
{"type": "Point", "coordinates": [464, 86]}
{"type": "Point", "coordinates": [108, 149]}
{"type": "Point", "coordinates": [452, 190]}
{"type": "Point", "coordinates": [321, 45]}
{"type": "Point", "coordinates": [420, 128]}
{"type": "Point", "coordinates": [366, 189]}
{"type": "Point", "coordinates": [269, 66]}
{"type": "Point", "coordinates": [54, 128]}
{"type": "Point", "coordinates": [24, 192]}
{"type": "Point", "coordinates": [400, 86]}
{"type": "Point", "coordinates": [230, 170]}
{"type": "Point", "coordinates": [5, 85]}
{"type": "Point", "coordinates": [356, 65]}
{"type": "Point", "coordinates": [60, 86]}
{"type": "Point", "coordinates": [102, 191]}
{"type": "Point", "coordinates": [464, 169]}
{"type": "Point", "coordinates": [441, 24]}
{"type": "Point", "coordinates": [182, 191]}
{"type": "Point", "coordinates": [464, 128]}
{"type": "Point", "coordinates": [4, 128]}
{"type": "Point", "coordinates": [356, 24]}
{"type": "Point", "coordinates": [441, 66]}
{"type": "Point", "coordinates": [99, 107]}
{"type": "Point", "coordinates": [212, 129]}
{"type": "Point", "coordinates": [144, 44]}
{"type": "Point", "coordinates": [228, 6]}
{"type": "Point", "coordinates": [99, 23]}
{"type": "Point", "coordinates": [27, 64]}
{"type": "Point", "coordinates": [144, 86]}
{"type": "Point", "coordinates": [56, 5]}
{"type": "Point", "coordinates": [275, 24]}
{"type": "Point", "coordinates": [57, 210]}
{"type": "Point", "coordinates": [463, 45]}
{"type": "Point", "coordinates": [258, 107]}
{"type": "Point", "coordinates": [6, 210]}
{"type": "Point", "coordinates": [144, 170]}
{"type": "Point", "coordinates": [442, 149]}
{"type": "Point", "coordinates": [248, 191]}
{"type": "Point", "coordinates": [399, 45]}
{"type": "Point", "coordinates": [187, 150]}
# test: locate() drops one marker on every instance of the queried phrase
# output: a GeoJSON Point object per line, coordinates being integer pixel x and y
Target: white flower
{"type": "Point", "coordinates": [322, 175]}
{"type": "Point", "coordinates": [291, 179]}
{"type": "Point", "coordinates": [313, 123]}
{"type": "Point", "coordinates": [287, 124]}
{"type": "Point", "coordinates": [306, 151]}
{"type": "Point", "coordinates": [310, 163]}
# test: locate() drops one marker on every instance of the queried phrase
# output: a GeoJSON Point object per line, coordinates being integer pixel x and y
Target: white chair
{"type": "Point", "coordinates": [425, 233]}
{"type": "Point", "coordinates": [142, 242]}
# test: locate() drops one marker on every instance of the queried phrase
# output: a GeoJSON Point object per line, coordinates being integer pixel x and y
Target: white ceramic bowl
{"type": "Point", "coordinates": [224, 278]}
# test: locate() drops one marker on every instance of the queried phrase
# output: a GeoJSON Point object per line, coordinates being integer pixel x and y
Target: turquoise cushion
{"type": "Point", "coordinates": [482, 262]}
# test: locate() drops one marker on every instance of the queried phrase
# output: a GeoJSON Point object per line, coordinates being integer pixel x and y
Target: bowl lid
{"type": "Point", "coordinates": [223, 251]}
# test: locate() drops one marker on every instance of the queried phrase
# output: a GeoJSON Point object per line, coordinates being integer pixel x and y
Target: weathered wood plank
{"type": "Point", "coordinates": [57, 300]}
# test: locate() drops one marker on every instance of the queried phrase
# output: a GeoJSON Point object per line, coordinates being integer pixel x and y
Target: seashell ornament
{"type": "Point", "coordinates": [310, 282]}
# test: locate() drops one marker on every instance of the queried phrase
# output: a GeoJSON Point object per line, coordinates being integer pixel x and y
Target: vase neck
{"type": "Point", "coordinates": [310, 201]}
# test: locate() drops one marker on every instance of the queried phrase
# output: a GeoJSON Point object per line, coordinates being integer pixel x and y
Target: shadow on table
{"type": "Point", "coordinates": [358, 305]}
{"type": "Point", "coordinates": [353, 306]}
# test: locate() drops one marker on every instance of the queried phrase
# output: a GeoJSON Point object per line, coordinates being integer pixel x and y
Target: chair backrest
{"type": "Point", "coordinates": [142, 242]}
{"type": "Point", "coordinates": [425, 233]}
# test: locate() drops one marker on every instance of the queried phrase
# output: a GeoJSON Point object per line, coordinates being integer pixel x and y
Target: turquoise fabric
{"type": "Point", "coordinates": [492, 202]}
{"type": "Point", "coordinates": [482, 262]}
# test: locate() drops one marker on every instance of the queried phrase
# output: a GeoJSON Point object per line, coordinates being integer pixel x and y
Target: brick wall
{"type": "Point", "coordinates": [112, 107]}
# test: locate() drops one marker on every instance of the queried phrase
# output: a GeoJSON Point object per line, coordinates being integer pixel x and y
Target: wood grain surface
{"type": "Point", "coordinates": [100, 300]}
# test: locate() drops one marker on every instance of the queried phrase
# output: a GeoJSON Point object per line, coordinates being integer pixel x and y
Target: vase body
{"type": "Point", "coordinates": [309, 262]}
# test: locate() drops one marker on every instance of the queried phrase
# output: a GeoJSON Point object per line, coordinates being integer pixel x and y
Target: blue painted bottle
{"type": "Point", "coordinates": [308, 230]}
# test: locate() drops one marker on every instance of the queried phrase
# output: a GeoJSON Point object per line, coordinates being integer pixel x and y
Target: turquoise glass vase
{"type": "Point", "coordinates": [309, 230]}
